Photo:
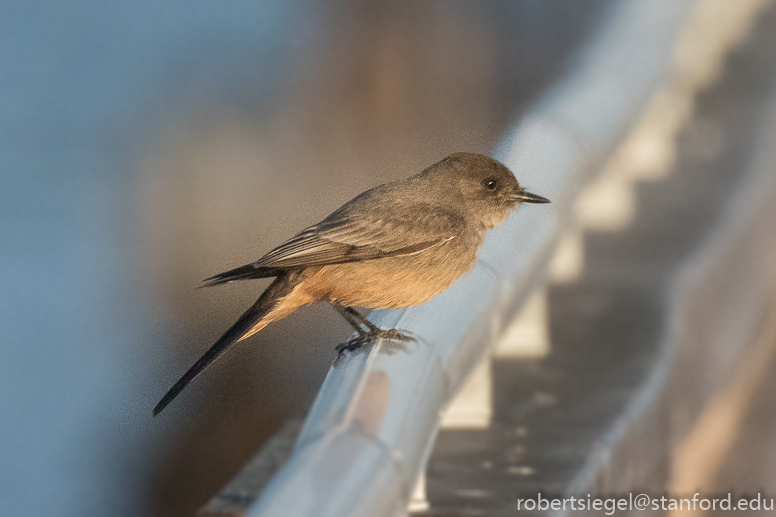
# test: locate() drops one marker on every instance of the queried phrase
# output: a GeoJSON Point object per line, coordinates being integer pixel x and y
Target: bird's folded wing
{"type": "Point", "coordinates": [347, 237]}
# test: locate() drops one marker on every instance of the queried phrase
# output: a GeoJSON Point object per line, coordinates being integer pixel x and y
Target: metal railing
{"type": "Point", "coordinates": [368, 436]}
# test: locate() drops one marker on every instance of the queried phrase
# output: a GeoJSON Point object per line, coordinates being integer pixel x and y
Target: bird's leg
{"type": "Point", "coordinates": [362, 320]}
{"type": "Point", "coordinates": [352, 317]}
{"type": "Point", "coordinates": [356, 320]}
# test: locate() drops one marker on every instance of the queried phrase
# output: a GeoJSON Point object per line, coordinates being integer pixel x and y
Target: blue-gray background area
{"type": "Point", "coordinates": [145, 145]}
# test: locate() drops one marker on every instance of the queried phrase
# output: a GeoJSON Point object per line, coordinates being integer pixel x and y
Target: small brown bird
{"type": "Point", "coordinates": [396, 245]}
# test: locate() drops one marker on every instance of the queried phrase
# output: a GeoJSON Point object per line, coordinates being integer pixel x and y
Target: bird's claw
{"type": "Point", "coordinates": [368, 337]}
{"type": "Point", "coordinates": [351, 345]}
{"type": "Point", "coordinates": [392, 335]}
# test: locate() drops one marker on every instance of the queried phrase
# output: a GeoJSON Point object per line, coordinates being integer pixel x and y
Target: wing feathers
{"type": "Point", "coordinates": [350, 235]}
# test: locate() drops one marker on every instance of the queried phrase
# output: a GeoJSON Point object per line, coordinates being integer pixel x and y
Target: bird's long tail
{"type": "Point", "coordinates": [254, 319]}
{"type": "Point", "coordinates": [246, 272]}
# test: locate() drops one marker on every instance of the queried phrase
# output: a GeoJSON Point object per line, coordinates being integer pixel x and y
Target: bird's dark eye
{"type": "Point", "coordinates": [490, 184]}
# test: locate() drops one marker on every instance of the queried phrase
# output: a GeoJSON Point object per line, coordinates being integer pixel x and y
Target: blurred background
{"type": "Point", "coordinates": [147, 145]}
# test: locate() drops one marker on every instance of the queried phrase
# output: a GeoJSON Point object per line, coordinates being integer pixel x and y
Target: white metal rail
{"type": "Point", "coordinates": [371, 429]}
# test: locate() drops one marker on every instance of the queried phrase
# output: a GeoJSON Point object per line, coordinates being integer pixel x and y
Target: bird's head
{"type": "Point", "coordinates": [487, 186]}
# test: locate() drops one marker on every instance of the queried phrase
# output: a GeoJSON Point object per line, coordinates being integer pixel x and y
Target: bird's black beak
{"type": "Point", "coordinates": [527, 197]}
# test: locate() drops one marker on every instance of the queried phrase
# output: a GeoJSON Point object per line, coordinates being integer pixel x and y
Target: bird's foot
{"type": "Point", "coordinates": [389, 334]}
{"type": "Point", "coordinates": [368, 337]}
{"type": "Point", "coordinates": [351, 345]}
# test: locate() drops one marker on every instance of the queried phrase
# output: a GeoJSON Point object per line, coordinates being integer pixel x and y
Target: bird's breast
{"type": "Point", "coordinates": [395, 282]}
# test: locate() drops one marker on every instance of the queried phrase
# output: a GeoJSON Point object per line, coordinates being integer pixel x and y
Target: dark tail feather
{"type": "Point", "coordinates": [266, 302]}
{"type": "Point", "coordinates": [240, 273]}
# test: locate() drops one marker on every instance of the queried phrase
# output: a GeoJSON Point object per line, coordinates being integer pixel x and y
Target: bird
{"type": "Point", "coordinates": [394, 246]}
